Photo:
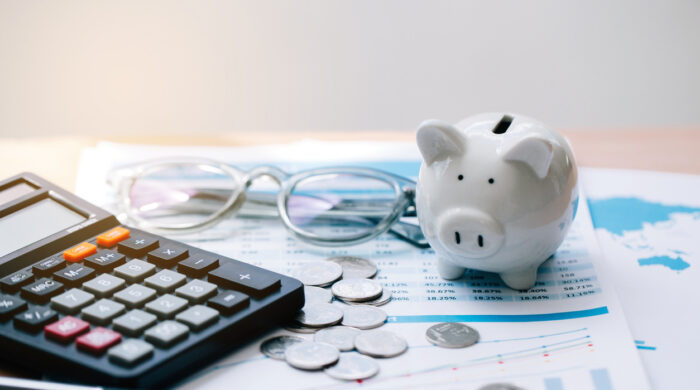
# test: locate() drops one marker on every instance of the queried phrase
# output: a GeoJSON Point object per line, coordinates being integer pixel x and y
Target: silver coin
{"type": "Point", "coordinates": [500, 386]}
{"type": "Point", "coordinates": [341, 337]}
{"type": "Point", "coordinates": [318, 273]}
{"type": "Point", "coordinates": [309, 355]}
{"type": "Point", "coordinates": [298, 328]}
{"type": "Point", "coordinates": [318, 315]}
{"type": "Point", "coordinates": [314, 294]}
{"type": "Point", "coordinates": [452, 335]}
{"type": "Point", "coordinates": [275, 347]}
{"type": "Point", "coordinates": [352, 367]}
{"type": "Point", "coordinates": [380, 343]}
{"type": "Point", "coordinates": [355, 267]}
{"type": "Point", "coordinates": [357, 290]}
{"type": "Point", "coordinates": [382, 300]}
{"type": "Point", "coordinates": [363, 317]}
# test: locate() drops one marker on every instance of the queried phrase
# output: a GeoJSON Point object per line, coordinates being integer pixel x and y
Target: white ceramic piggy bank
{"type": "Point", "coordinates": [496, 192]}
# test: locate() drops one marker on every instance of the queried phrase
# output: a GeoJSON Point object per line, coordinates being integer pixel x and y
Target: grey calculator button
{"type": "Point", "coordinates": [198, 317]}
{"type": "Point", "coordinates": [165, 280]}
{"type": "Point", "coordinates": [197, 291]}
{"type": "Point", "coordinates": [134, 322]}
{"type": "Point", "coordinates": [166, 306]}
{"type": "Point", "coordinates": [130, 351]}
{"type": "Point", "coordinates": [102, 311]}
{"type": "Point", "coordinates": [104, 285]}
{"type": "Point", "coordinates": [71, 301]}
{"type": "Point", "coordinates": [135, 295]}
{"type": "Point", "coordinates": [166, 333]}
{"type": "Point", "coordinates": [135, 270]}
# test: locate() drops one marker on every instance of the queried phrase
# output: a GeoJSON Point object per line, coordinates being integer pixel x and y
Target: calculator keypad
{"type": "Point", "coordinates": [134, 294]}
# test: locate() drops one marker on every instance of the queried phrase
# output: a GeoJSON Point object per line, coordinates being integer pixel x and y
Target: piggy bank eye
{"type": "Point", "coordinates": [491, 180]}
{"type": "Point", "coordinates": [460, 177]}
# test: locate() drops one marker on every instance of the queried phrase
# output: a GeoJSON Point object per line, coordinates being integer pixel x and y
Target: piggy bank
{"type": "Point", "coordinates": [497, 193]}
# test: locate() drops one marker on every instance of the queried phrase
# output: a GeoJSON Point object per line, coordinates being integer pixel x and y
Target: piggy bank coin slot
{"type": "Point", "coordinates": [503, 124]}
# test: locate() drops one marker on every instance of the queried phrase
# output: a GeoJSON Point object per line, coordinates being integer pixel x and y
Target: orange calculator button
{"type": "Point", "coordinates": [112, 237]}
{"type": "Point", "coordinates": [79, 252]}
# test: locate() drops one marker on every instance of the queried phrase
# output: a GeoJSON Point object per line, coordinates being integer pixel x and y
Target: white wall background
{"type": "Point", "coordinates": [172, 66]}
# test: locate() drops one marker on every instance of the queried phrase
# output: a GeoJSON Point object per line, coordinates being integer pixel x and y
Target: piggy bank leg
{"type": "Point", "coordinates": [448, 270]}
{"type": "Point", "coordinates": [521, 280]}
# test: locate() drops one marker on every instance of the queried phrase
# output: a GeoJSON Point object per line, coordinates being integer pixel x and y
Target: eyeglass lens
{"type": "Point", "coordinates": [180, 194]}
{"type": "Point", "coordinates": [338, 206]}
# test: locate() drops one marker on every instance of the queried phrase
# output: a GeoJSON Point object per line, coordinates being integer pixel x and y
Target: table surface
{"type": "Point", "coordinates": [669, 150]}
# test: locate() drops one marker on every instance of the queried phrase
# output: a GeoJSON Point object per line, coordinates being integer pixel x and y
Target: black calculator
{"type": "Point", "coordinates": [87, 300]}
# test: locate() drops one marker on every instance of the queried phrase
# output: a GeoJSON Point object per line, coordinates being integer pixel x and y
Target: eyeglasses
{"type": "Point", "coordinates": [326, 206]}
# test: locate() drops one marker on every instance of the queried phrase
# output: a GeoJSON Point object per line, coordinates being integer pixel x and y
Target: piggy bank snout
{"type": "Point", "coordinates": [469, 232]}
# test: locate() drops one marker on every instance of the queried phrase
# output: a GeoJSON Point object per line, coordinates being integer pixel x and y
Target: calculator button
{"type": "Point", "coordinates": [13, 282]}
{"type": "Point", "coordinates": [130, 352]}
{"type": "Point", "coordinates": [166, 306]}
{"type": "Point", "coordinates": [167, 255]}
{"type": "Point", "coordinates": [102, 311]}
{"type": "Point", "coordinates": [65, 329]}
{"type": "Point", "coordinates": [9, 305]}
{"type": "Point", "coordinates": [48, 266]}
{"type": "Point", "coordinates": [196, 291]}
{"type": "Point", "coordinates": [104, 285]}
{"type": "Point", "coordinates": [98, 340]}
{"type": "Point", "coordinates": [34, 319]}
{"type": "Point", "coordinates": [197, 266]}
{"type": "Point", "coordinates": [112, 237]}
{"type": "Point", "coordinates": [137, 246]}
{"type": "Point", "coordinates": [135, 295]}
{"type": "Point", "coordinates": [74, 275]}
{"type": "Point", "coordinates": [134, 322]}
{"type": "Point", "coordinates": [166, 333]}
{"type": "Point", "coordinates": [105, 261]}
{"type": "Point", "coordinates": [79, 252]}
{"type": "Point", "coordinates": [42, 290]}
{"type": "Point", "coordinates": [198, 317]}
{"type": "Point", "coordinates": [243, 277]}
{"type": "Point", "coordinates": [71, 301]}
{"type": "Point", "coordinates": [229, 302]}
{"type": "Point", "coordinates": [165, 281]}
{"type": "Point", "coordinates": [135, 270]}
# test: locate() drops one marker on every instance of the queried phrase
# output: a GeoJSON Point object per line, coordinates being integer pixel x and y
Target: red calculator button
{"type": "Point", "coordinates": [65, 329]}
{"type": "Point", "coordinates": [98, 340]}
{"type": "Point", "coordinates": [112, 237]}
{"type": "Point", "coordinates": [79, 252]}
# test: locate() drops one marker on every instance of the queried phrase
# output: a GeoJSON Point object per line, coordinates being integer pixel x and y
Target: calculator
{"type": "Point", "coordinates": [86, 299]}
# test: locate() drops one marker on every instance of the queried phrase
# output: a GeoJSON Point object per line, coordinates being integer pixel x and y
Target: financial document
{"type": "Point", "coordinates": [648, 224]}
{"type": "Point", "coordinates": [568, 332]}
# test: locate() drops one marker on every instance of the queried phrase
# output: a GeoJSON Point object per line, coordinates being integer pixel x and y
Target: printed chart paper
{"type": "Point", "coordinates": [568, 332]}
{"type": "Point", "coordinates": [648, 224]}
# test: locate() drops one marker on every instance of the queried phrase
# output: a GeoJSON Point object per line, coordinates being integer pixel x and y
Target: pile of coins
{"type": "Point", "coordinates": [341, 328]}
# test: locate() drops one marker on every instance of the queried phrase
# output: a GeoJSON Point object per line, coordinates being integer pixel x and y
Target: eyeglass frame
{"type": "Point", "coordinates": [124, 178]}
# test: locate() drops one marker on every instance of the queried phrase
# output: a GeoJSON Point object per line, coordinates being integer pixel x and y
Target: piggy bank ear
{"type": "Point", "coordinates": [438, 140]}
{"type": "Point", "coordinates": [535, 151]}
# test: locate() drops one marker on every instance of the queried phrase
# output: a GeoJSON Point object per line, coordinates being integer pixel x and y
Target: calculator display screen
{"type": "Point", "coordinates": [33, 223]}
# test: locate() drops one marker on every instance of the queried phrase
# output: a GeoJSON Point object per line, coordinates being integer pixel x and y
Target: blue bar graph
{"type": "Point", "coordinates": [601, 379]}
{"type": "Point", "coordinates": [553, 384]}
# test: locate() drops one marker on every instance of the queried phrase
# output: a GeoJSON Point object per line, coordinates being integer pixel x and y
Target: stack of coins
{"type": "Point", "coordinates": [339, 328]}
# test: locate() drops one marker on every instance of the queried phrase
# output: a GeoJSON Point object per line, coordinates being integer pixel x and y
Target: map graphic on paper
{"type": "Point", "coordinates": [647, 224]}
{"type": "Point", "coordinates": [654, 233]}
